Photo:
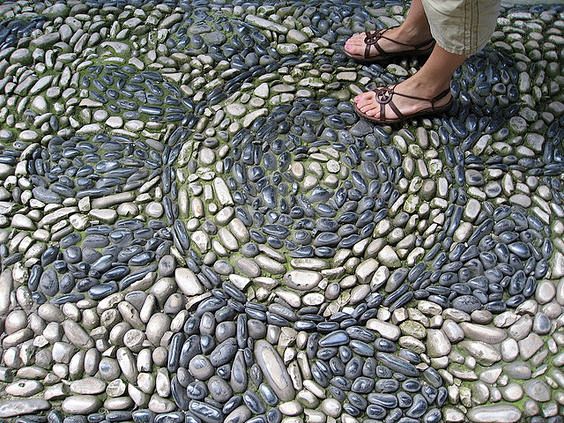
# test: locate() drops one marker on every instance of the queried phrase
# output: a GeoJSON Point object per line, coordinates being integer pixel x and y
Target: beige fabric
{"type": "Point", "coordinates": [462, 26]}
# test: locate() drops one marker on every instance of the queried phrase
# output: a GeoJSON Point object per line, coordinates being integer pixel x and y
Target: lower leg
{"type": "Point", "coordinates": [416, 26]}
{"type": "Point", "coordinates": [435, 75]}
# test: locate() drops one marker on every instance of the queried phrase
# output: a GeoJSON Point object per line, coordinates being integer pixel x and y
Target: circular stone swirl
{"type": "Point", "coordinates": [196, 227]}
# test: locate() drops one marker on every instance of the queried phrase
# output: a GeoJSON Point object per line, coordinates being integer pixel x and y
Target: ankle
{"type": "Point", "coordinates": [414, 34]}
{"type": "Point", "coordinates": [428, 88]}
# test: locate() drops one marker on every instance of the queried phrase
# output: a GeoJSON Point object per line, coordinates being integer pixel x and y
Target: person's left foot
{"type": "Point", "coordinates": [388, 43]}
{"type": "Point", "coordinates": [409, 98]}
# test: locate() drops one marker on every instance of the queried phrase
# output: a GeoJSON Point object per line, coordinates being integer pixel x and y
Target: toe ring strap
{"type": "Point", "coordinates": [384, 95]}
{"type": "Point", "coordinates": [372, 37]}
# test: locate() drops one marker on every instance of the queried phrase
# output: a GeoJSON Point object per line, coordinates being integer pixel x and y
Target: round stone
{"type": "Point", "coordinates": [200, 367]}
{"type": "Point", "coordinates": [545, 292]}
{"type": "Point", "coordinates": [331, 407]}
{"type": "Point", "coordinates": [537, 390]}
{"type": "Point", "coordinates": [512, 392]}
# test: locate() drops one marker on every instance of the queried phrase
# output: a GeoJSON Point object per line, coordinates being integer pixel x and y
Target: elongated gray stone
{"type": "Point", "coordinates": [483, 353]}
{"type": "Point", "coordinates": [488, 334]}
{"type": "Point", "coordinates": [81, 404]}
{"type": "Point", "coordinates": [266, 24]}
{"type": "Point", "coordinates": [187, 282]}
{"type": "Point", "coordinates": [13, 408]}
{"type": "Point", "coordinates": [385, 329]}
{"type": "Point", "coordinates": [77, 335]}
{"type": "Point", "coordinates": [88, 386]}
{"type": "Point", "coordinates": [24, 388]}
{"type": "Point", "coordinates": [5, 289]}
{"type": "Point", "coordinates": [397, 364]}
{"type": "Point", "coordinates": [499, 413]}
{"type": "Point", "coordinates": [274, 370]}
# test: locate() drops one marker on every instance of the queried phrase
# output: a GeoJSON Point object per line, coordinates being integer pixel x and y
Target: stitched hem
{"type": "Point", "coordinates": [457, 50]}
{"type": "Point", "coordinates": [467, 29]}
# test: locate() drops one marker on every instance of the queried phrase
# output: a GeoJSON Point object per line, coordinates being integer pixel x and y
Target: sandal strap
{"type": "Point", "coordinates": [372, 38]}
{"type": "Point", "coordinates": [399, 114]}
{"type": "Point", "coordinates": [432, 100]}
{"type": "Point", "coordinates": [414, 46]}
{"type": "Point", "coordinates": [440, 96]}
{"type": "Point", "coordinates": [385, 96]}
{"type": "Point", "coordinates": [369, 40]}
{"type": "Point", "coordinates": [423, 44]}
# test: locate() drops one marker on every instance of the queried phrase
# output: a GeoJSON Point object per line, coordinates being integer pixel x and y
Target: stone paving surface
{"type": "Point", "coordinates": [196, 227]}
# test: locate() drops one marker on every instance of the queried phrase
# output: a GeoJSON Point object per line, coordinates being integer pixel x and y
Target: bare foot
{"type": "Point", "coordinates": [405, 41]}
{"type": "Point", "coordinates": [367, 103]}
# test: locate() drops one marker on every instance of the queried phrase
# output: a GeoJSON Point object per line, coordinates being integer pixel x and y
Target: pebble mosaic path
{"type": "Point", "coordinates": [196, 227]}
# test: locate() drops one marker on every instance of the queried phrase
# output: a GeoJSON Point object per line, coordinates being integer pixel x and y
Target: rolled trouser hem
{"type": "Point", "coordinates": [453, 50]}
{"type": "Point", "coordinates": [462, 27]}
{"type": "Point", "coordinates": [458, 51]}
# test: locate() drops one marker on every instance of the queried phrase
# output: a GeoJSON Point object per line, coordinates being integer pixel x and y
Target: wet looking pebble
{"type": "Point", "coordinates": [196, 227]}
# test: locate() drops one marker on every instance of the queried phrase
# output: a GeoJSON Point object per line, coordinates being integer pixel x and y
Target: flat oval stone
{"type": "Point", "coordinates": [88, 386]}
{"type": "Point", "coordinates": [466, 303]}
{"type": "Point", "coordinates": [383, 400]}
{"type": "Point", "coordinates": [334, 339]}
{"type": "Point", "coordinates": [200, 367]}
{"type": "Point", "coordinates": [206, 412]}
{"type": "Point", "coordinates": [219, 389]}
{"type": "Point", "coordinates": [274, 370]}
{"type": "Point", "coordinates": [24, 388]}
{"type": "Point", "coordinates": [397, 364]}
{"type": "Point", "coordinates": [501, 413]}
{"type": "Point", "coordinates": [363, 385]}
{"type": "Point", "coordinates": [224, 352]}
{"type": "Point", "coordinates": [81, 404]}
{"type": "Point", "coordinates": [20, 407]}
{"type": "Point", "coordinates": [303, 280]}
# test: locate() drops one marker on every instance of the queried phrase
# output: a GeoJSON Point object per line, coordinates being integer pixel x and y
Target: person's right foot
{"type": "Point", "coordinates": [409, 98]}
{"type": "Point", "coordinates": [393, 41]}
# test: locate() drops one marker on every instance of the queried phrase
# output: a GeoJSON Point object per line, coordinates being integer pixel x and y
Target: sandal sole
{"type": "Point", "coordinates": [421, 113]}
{"type": "Point", "coordinates": [389, 56]}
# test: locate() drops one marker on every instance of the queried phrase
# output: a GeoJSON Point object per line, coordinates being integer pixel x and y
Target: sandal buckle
{"type": "Point", "coordinates": [384, 95]}
{"type": "Point", "coordinates": [372, 38]}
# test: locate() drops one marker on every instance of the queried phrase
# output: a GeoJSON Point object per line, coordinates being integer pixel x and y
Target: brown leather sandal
{"type": "Point", "coordinates": [372, 37]}
{"type": "Point", "coordinates": [384, 97]}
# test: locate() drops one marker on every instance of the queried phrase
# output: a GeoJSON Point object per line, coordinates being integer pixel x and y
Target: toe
{"type": "Point", "coordinates": [374, 111]}
{"type": "Point", "coordinates": [357, 36]}
{"type": "Point", "coordinates": [355, 44]}
{"type": "Point", "coordinates": [354, 48]}
{"type": "Point", "coordinates": [369, 107]}
{"type": "Point", "coordinates": [365, 95]}
{"type": "Point", "coordinates": [353, 40]}
{"type": "Point", "coordinates": [348, 47]}
{"type": "Point", "coordinates": [363, 104]}
{"type": "Point", "coordinates": [365, 99]}
{"type": "Point", "coordinates": [366, 103]}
